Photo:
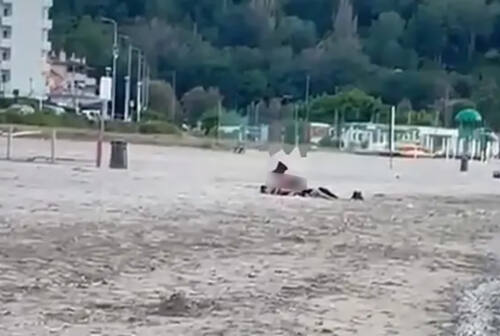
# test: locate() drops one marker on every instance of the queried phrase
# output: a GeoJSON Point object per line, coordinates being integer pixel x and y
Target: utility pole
{"type": "Point", "coordinates": [139, 88]}
{"type": "Point", "coordinates": [116, 54]}
{"type": "Point", "coordinates": [73, 84]}
{"type": "Point", "coordinates": [105, 94]}
{"type": "Point", "coordinates": [392, 139]}
{"type": "Point", "coordinates": [144, 84]}
{"type": "Point", "coordinates": [128, 80]}
{"type": "Point", "coordinates": [147, 88]}
{"type": "Point", "coordinates": [308, 89]}
{"type": "Point", "coordinates": [174, 95]}
{"type": "Point", "coordinates": [219, 114]}
{"type": "Point", "coordinates": [296, 115]}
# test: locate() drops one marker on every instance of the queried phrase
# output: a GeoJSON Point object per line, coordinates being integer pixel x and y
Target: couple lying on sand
{"type": "Point", "coordinates": [282, 184]}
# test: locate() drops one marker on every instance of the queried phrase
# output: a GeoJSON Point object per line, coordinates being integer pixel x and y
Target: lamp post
{"type": "Point", "coordinates": [128, 79]}
{"type": "Point", "coordinates": [173, 73]}
{"type": "Point", "coordinates": [139, 87]}
{"type": "Point", "coordinates": [115, 59]}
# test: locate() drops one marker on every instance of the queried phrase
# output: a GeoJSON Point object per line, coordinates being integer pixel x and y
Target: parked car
{"type": "Point", "coordinates": [91, 115]}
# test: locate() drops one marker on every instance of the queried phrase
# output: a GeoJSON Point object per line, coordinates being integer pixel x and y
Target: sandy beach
{"type": "Point", "coordinates": [182, 243]}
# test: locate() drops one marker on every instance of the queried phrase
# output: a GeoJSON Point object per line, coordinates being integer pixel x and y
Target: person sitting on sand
{"type": "Point", "coordinates": [313, 193]}
{"type": "Point", "coordinates": [281, 184]}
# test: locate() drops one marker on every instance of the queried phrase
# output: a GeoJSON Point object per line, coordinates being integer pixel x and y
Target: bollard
{"type": "Point", "coordinates": [464, 164]}
{"type": "Point", "coordinates": [119, 158]}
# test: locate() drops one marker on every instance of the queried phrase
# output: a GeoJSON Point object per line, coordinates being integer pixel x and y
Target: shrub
{"type": "Point", "coordinates": [73, 120]}
{"type": "Point", "coordinates": [152, 115]}
{"type": "Point", "coordinates": [121, 127]}
{"type": "Point", "coordinates": [158, 127]}
{"type": "Point", "coordinates": [43, 119]}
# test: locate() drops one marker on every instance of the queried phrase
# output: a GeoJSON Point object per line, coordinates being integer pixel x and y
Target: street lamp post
{"type": "Point", "coordinates": [139, 88]}
{"type": "Point", "coordinates": [173, 73]}
{"type": "Point", "coordinates": [308, 89]}
{"type": "Point", "coordinates": [147, 73]}
{"type": "Point", "coordinates": [128, 80]}
{"type": "Point", "coordinates": [115, 59]}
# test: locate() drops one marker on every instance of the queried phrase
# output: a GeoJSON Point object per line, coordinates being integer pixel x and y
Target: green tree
{"type": "Point", "coordinates": [469, 19]}
{"type": "Point", "coordinates": [257, 49]}
{"type": "Point", "coordinates": [297, 33]}
{"type": "Point", "coordinates": [198, 101]}
{"type": "Point", "coordinates": [383, 44]}
{"type": "Point", "coordinates": [89, 39]}
{"type": "Point", "coordinates": [426, 31]}
{"type": "Point", "coordinates": [352, 105]}
{"type": "Point", "coordinates": [163, 101]}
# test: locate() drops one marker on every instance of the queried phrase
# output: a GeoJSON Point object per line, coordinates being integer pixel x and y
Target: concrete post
{"type": "Point", "coordinates": [53, 146]}
{"type": "Point", "coordinates": [10, 135]}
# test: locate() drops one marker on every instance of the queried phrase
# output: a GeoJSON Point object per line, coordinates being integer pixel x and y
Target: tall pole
{"type": "Point", "coordinates": [219, 114]}
{"type": "Point", "coordinates": [308, 89]}
{"type": "Point", "coordinates": [146, 89]}
{"type": "Point", "coordinates": [144, 82]}
{"type": "Point", "coordinates": [73, 85]}
{"type": "Point", "coordinates": [391, 134]}
{"type": "Point", "coordinates": [10, 136]}
{"type": "Point", "coordinates": [100, 137]}
{"type": "Point", "coordinates": [115, 59]}
{"type": "Point", "coordinates": [128, 81]}
{"type": "Point", "coordinates": [257, 114]}
{"type": "Point", "coordinates": [296, 116]}
{"type": "Point", "coordinates": [139, 87]}
{"type": "Point", "coordinates": [174, 95]}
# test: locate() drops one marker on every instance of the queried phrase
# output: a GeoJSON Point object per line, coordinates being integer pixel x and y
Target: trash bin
{"type": "Point", "coordinates": [464, 164]}
{"type": "Point", "coordinates": [119, 159]}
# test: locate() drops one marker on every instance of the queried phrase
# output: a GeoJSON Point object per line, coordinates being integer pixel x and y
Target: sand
{"type": "Point", "coordinates": [183, 244]}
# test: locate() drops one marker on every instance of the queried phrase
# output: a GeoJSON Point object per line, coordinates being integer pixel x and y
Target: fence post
{"type": "Point", "coordinates": [9, 142]}
{"type": "Point", "coordinates": [53, 140]}
{"type": "Point", "coordinates": [100, 136]}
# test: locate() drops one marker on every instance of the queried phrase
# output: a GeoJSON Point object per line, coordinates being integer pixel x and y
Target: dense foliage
{"type": "Point", "coordinates": [428, 55]}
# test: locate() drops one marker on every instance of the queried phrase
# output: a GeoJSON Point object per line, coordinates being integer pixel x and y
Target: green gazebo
{"type": "Point", "coordinates": [468, 120]}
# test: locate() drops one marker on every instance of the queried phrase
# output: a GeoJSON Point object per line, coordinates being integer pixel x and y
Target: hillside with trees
{"type": "Point", "coordinates": [428, 57]}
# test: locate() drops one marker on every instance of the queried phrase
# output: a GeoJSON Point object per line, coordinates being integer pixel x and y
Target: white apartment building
{"type": "Point", "coordinates": [24, 47]}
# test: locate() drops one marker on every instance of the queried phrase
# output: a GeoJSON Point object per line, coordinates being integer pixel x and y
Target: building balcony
{"type": "Point", "coordinates": [7, 21]}
{"type": "Point", "coordinates": [5, 65]}
{"type": "Point", "coordinates": [47, 24]}
{"type": "Point", "coordinates": [47, 46]}
{"type": "Point", "coordinates": [5, 43]}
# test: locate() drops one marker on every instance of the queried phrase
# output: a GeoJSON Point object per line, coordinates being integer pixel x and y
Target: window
{"type": "Point", "coordinates": [5, 54]}
{"type": "Point", "coordinates": [7, 10]}
{"type": "Point", "coordinates": [6, 32]}
{"type": "Point", "coordinates": [5, 76]}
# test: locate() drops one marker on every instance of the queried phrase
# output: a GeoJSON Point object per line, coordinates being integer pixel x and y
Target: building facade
{"type": "Point", "coordinates": [24, 47]}
{"type": "Point", "coordinates": [441, 142]}
{"type": "Point", "coordinates": [69, 83]}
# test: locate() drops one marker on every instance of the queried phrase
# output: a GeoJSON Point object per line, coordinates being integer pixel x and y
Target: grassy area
{"type": "Point", "coordinates": [88, 134]}
{"type": "Point", "coordinates": [73, 127]}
